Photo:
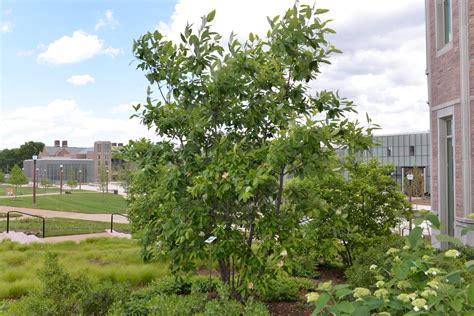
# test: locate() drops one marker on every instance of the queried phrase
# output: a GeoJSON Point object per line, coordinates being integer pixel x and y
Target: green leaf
{"type": "Point", "coordinates": [456, 305]}
{"type": "Point", "coordinates": [321, 303]}
{"type": "Point", "coordinates": [342, 292]}
{"type": "Point", "coordinates": [434, 220]}
{"type": "Point", "coordinates": [211, 16]}
{"type": "Point", "coordinates": [345, 307]}
{"type": "Point", "coordinates": [415, 236]}
{"type": "Point", "coordinates": [401, 271]}
{"type": "Point", "coordinates": [470, 293]}
{"type": "Point", "coordinates": [449, 239]}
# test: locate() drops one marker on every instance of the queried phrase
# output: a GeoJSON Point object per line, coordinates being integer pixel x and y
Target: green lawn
{"type": "Point", "coordinates": [61, 226]}
{"type": "Point", "coordinates": [92, 203]}
{"type": "Point", "coordinates": [28, 190]}
{"type": "Point", "coordinates": [114, 259]}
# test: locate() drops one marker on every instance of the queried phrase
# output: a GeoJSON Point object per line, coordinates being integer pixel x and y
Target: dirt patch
{"type": "Point", "coordinates": [289, 309]}
{"type": "Point", "coordinates": [335, 275]}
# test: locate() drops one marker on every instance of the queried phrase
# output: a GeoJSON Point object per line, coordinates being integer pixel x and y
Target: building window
{"type": "Point", "coordinates": [411, 151]}
{"type": "Point", "coordinates": [444, 25]}
{"type": "Point", "coordinates": [389, 151]}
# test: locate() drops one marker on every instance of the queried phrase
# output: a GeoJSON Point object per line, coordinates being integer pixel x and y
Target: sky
{"type": "Point", "coordinates": [67, 70]}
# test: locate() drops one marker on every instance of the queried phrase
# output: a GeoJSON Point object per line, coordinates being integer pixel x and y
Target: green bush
{"type": "Point", "coordinates": [286, 289]}
{"type": "Point", "coordinates": [63, 294]}
{"type": "Point", "coordinates": [412, 280]}
{"type": "Point", "coordinates": [374, 253]}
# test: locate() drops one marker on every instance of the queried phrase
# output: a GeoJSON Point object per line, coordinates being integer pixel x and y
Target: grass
{"type": "Point", "coordinates": [27, 190]}
{"type": "Point", "coordinates": [61, 226]}
{"type": "Point", "coordinates": [100, 259]}
{"type": "Point", "coordinates": [92, 203]}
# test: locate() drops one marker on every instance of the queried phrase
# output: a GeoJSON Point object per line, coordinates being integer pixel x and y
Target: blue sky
{"type": "Point", "coordinates": [67, 70]}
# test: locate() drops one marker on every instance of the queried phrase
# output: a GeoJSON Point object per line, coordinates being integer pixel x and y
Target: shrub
{"type": "Point", "coordinates": [414, 279]}
{"type": "Point", "coordinates": [286, 289]}
{"type": "Point", "coordinates": [374, 254]}
{"type": "Point", "coordinates": [63, 294]}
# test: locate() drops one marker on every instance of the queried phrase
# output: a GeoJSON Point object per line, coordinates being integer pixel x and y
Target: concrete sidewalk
{"type": "Point", "coordinates": [71, 215]}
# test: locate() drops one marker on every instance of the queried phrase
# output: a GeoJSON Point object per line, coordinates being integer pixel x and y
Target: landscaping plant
{"type": "Point", "coordinates": [234, 121]}
{"type": "Point", "coordinates": [414, 279]}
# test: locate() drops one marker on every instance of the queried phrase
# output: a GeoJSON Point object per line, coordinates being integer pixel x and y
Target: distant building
{"type": "Point", "coordinates": [79, 163]}
{"type": "Point", "coordinates": [404, 152]}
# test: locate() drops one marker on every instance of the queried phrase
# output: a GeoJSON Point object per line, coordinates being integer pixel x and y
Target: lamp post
{"type": "Point", "coordinates": [60, 179]}
{"type": "Point", "coordinates": [34, 179]}
{"type": "Point", "coordinates": [45, 178]}
{"type": "Point", "coordinates": [80, 178]}
{"type": "Point", "coordinates": [107, 185]}
{"type": "Point", "coordinates": [410, 178]}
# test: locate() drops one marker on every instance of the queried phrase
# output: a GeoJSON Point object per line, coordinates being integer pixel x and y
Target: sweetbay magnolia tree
{"type": "Point", "coordinates": [235, 121]}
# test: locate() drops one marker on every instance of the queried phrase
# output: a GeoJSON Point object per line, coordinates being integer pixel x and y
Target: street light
{"type": "Point", "coordinates": [107, 186]}
{"type": "Point", "coordinates": [410, 178]}
{"type": "Point", "coordinates": [80, 178]}
{"type": "Point", "coordinates": [34, 179]}
{"type": "Point", "coordinates": [45, 178]}
{"type": "Point", "coordinates": [60, 179]}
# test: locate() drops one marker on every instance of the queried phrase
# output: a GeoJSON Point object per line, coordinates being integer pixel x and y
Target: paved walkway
{"type": "Point", "coordinates": [71, 215]}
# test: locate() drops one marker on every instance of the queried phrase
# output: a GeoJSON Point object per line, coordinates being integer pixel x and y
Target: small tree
{"type": "Point", "coordinates": [2, 177]}
{"type": "Point", "coordinates": [17, 177]}
{"type": "Point", "coordinates": [72, 184]}
{"type": "Point", "coordinates": [103, 178]}
{"type": "Point", "coordinates": [233, 124]}
{"type": "Point", "coordinates": [362, 201]}
{"type": "Point", "coordinates": [45, 183]}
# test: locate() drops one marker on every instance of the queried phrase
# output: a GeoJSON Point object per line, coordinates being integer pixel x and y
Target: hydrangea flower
{"type": "Point", "coordinates": [403, 297]}
{"type": "Point", "coordinates": [427, 293]}
{"type": "Point", "coordinates": [392, 251]}
{"type": "Point", "coordinates": [325, 286]}
{"type": "Point", "coordinates": [312, 297]}
{"type": "Point", "coordinates": [397, 259]}
{"type": "Point", "coordinates": [373, 267]}
{"type": "Point", "coordinates": [433, 284]}
{"type": "Point", "coordinates": [452, 253]}
{"type": "Point", "coordinates": [379, 277]}
{"type": "Point", "coordinates": [426, 258]}
{"type": "Point", "coordinates": [360, 292]}
{"type": "Point", "coordinates": [412, 296]}
{"type": "Point", "coordinates": [433, 271]}
{"type": "Point", "coordinates": [284, 253]}
{"type": "Point", "coordinates": [403, 284]}
{"type": "Point", "coordinates": [406, 247]}
{"type": "Point", "coordinates": [379, 283]}
{"type": "Point", "coordinates": [380, 293]}
{"type": "Point", "coordinates": [419, 303]}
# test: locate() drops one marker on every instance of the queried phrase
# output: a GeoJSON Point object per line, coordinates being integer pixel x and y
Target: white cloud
{"type": "Point", "coordinates": [383, 65]}
{"type": "Point", "coordinates": [80, 80]}
{"type": "Point", "coordinates": [65, 119]}
{"type": "Point", "coordinates": [107, 21]}
{"type": "Point", "coordinates": [6, 27]}
{"type": "Point", "coordinates": [124, 108]}
{"type": "Point", "coordinates": [76, 48]}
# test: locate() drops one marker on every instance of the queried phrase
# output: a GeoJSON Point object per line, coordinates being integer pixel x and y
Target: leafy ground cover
{"type": "Point", "coordinates": [91, 203]}
{"type": "Point", "coordinates": [61, 226]}
{"type": "Point", "coordinates": [101, 260]}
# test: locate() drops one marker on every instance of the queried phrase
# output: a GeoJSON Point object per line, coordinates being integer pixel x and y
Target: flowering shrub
{"type": "Point", "coordinates": [414, 279]}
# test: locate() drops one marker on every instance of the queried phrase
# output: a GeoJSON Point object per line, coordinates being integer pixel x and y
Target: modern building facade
{"type": "Point", "coordinates": [83, 164]}
{"type": "Point", "coordinates": [405, 152]}
{"type": "Point", "coordinates": [450, 70]}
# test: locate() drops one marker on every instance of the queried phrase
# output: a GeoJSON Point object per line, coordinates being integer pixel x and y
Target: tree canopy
{"type": "Point", "coordinates": [15, 156]}
{"type": "Point", "coordinates": [235, 120]}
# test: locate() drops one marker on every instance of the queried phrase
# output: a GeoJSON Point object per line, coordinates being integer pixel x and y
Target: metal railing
{"type": "Point", "coordinates": [112, 220]}
{"type": "Point", "coordinates": [32, 215]}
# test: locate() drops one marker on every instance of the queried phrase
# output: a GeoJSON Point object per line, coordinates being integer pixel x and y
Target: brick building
{"type": "Point", "coordinates": [83, 164]}
{"type": "Point", "coordinates": [450, 54]}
